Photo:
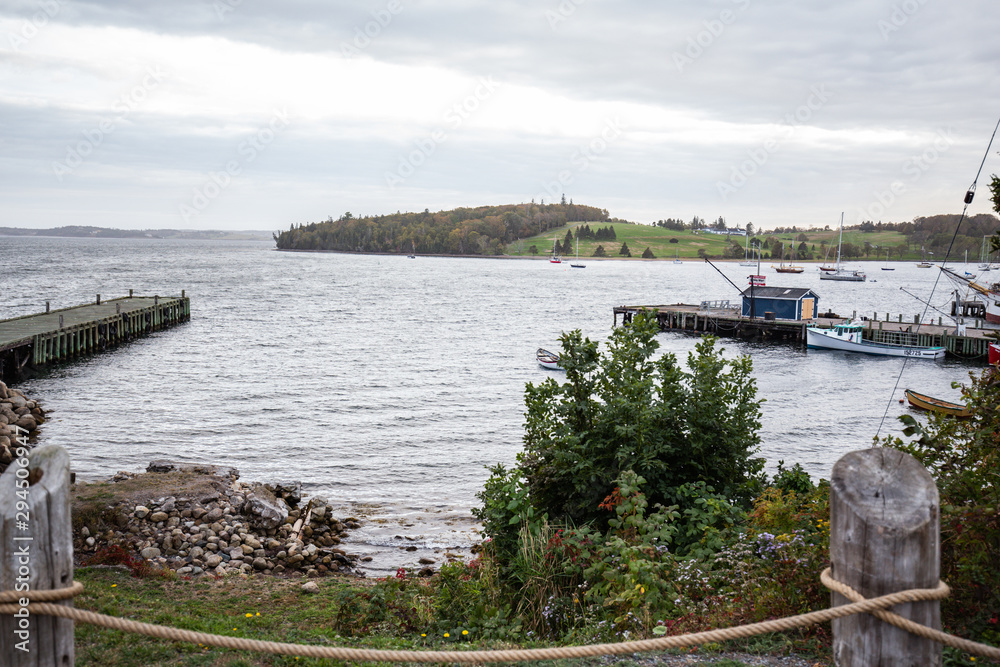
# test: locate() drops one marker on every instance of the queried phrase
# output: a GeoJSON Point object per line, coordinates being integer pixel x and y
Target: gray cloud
{"type": "Point", "coordinates": [892, 75]}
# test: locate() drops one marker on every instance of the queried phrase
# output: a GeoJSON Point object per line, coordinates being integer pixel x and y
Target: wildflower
{"type": "Point", "coordinates": [114, 585]}
{"type": "Point", "coordinates": [465, 632]}
{"type": "Point", "coordinates": [447, 635]}
{"type": "Point", "coordinates": [258, 613]}
{"type": "Point", "coordinates": [249, 615]}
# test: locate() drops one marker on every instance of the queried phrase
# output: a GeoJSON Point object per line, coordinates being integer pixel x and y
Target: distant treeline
{"type": "Point", "coordinates": [484, 230]}
{"type": "Point", "coordinates": [930, 235]}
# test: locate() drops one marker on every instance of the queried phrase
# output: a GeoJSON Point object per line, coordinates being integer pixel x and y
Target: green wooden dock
{"type": "Point", "coordinates": [34, 341]}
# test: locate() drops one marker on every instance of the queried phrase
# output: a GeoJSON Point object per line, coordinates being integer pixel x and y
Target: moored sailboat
{"type": "Point", "coordinates": [577, 264]}
{"type": "Point", "coordinates": [838, 273]}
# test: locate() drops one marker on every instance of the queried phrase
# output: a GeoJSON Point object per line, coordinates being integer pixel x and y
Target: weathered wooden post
{"type": "Point", "coordinates": [36, 553]}
{"type": "Point", "coordinates": [884, 538]}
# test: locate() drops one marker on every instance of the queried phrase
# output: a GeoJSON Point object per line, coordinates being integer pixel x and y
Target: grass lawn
{"type": "Point", "coordinates": [274, 609]}
{"type": "Point", "coordinates": [657, 239]}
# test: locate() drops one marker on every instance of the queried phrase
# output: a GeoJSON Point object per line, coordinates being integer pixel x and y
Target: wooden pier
{"type": "Point", "coordinates": [34, 341]}
{"type": "Point", "coordinates": [719, 318]}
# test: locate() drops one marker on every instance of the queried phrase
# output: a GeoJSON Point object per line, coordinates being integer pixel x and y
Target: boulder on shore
{"type": "Point", "coordinates": [264, 509]}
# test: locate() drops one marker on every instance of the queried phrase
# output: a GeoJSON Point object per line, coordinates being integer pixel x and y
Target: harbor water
{"type": "Point", "coordinates": [388, 384]}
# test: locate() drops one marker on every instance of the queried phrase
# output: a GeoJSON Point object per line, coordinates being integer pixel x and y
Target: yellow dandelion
{"type": "Point", "coordinates": [114, 585]}
{"type": "Point", "coordinates": [258, 613]}
{"type": "Point", "coordinates": [447, 635]}
{"type": "Point", "coordinates": [465, 632]}
{"type": "Point", "coordinates": [249, 615]}
{"type": "Point", "coordinates": [423, 634]}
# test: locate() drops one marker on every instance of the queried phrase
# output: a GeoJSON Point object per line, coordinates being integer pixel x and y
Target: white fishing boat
{"type": "Point", "coordinates": [549, 360]}
{"type": "Point", "coordinates": [848, 337]}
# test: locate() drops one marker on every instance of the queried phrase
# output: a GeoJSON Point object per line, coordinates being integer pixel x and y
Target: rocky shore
{"type": "Point", "coordinates": [16, 410]}
{"type": "Point", "coordinates": [210, 523]}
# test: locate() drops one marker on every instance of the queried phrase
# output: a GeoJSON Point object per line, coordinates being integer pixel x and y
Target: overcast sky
{"type": "Point", "coordinates": [240, 114]}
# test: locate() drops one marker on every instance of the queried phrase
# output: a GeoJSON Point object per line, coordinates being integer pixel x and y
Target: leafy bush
{"type": "Point", "coordinates": [963, 456]}
{"type": "Point", "coordinates": [625, 411]}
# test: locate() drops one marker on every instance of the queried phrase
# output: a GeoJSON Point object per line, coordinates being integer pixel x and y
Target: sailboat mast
{"type": "Point", "coordinates": [840, 243]}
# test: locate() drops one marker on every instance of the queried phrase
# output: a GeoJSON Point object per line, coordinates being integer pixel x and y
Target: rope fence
{"type": "Point", "coordinates": [43, 603]}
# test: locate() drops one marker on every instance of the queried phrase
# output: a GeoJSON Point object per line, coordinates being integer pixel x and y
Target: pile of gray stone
{"type": "Point", "coordinates": [233, 528]}
{"type": "Point", "coordinates": [16, 410]}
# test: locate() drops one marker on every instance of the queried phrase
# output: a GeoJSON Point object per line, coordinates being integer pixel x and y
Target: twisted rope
{"type": "Point", "coordinates": [858, 605]}
{"type": "Point", "coordinates": [972, 647]}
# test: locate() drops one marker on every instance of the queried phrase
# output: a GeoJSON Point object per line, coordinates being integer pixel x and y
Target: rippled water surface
{"type": "Point", "coordinates": [387, 380]}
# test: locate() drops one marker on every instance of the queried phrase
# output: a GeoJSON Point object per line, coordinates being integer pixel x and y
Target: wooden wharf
{"type": "Point", "coordinates": [34, 341]}
{"type": "Point", "coordinates": [721, 318]}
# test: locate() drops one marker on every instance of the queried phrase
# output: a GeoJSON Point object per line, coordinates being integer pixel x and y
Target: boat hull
{"type": "Point", "coordinates": [845, 276]}
{"type": "Point", "coordinates": [549, 360]}
{"type": "Point", "coordinates": [826, 339]}
{"type": "Point", "coordinates": [993, 308]}
{"type": "Point", "coordinates": [924, 402]}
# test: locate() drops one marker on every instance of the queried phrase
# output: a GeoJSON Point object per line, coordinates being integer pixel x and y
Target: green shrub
{"type": "Point", "coordinates": [626, 411]}
{"type": "Point", "coordinates": [963, 456]}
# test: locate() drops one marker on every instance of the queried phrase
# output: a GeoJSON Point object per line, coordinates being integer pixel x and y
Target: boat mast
{"type": "Point", "coordinates": [841, 241]}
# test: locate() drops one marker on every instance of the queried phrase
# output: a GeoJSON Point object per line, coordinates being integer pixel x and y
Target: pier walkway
{"type": "Point", "coordinates": [33, 341]}
{"type": "Point", "coordinates": [724, 320]}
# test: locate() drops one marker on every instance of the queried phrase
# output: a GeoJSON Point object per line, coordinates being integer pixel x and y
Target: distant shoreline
{"type": "Point", "coordinates": [73, 232]}
{"type": "Point", "coordinates": [541, 257]}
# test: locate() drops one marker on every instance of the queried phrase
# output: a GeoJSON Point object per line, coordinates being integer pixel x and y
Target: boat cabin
{"type": "Point", "coordinates": [847, 330]}
{"type": "Point", "coordinates": [781, 303]}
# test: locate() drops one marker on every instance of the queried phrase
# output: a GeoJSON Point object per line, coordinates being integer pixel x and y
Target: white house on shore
{"type": "Point", "coordinates": [724, 232]}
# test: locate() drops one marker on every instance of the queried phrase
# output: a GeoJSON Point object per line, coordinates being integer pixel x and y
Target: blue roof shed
{"type": "Point", "coordinates": [787, 303]}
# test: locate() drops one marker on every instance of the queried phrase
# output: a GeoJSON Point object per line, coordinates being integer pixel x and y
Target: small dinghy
{"type": "Point", "coordinates": [924, 402]}
{"type": "Point", "coordinates": [549, 360]}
